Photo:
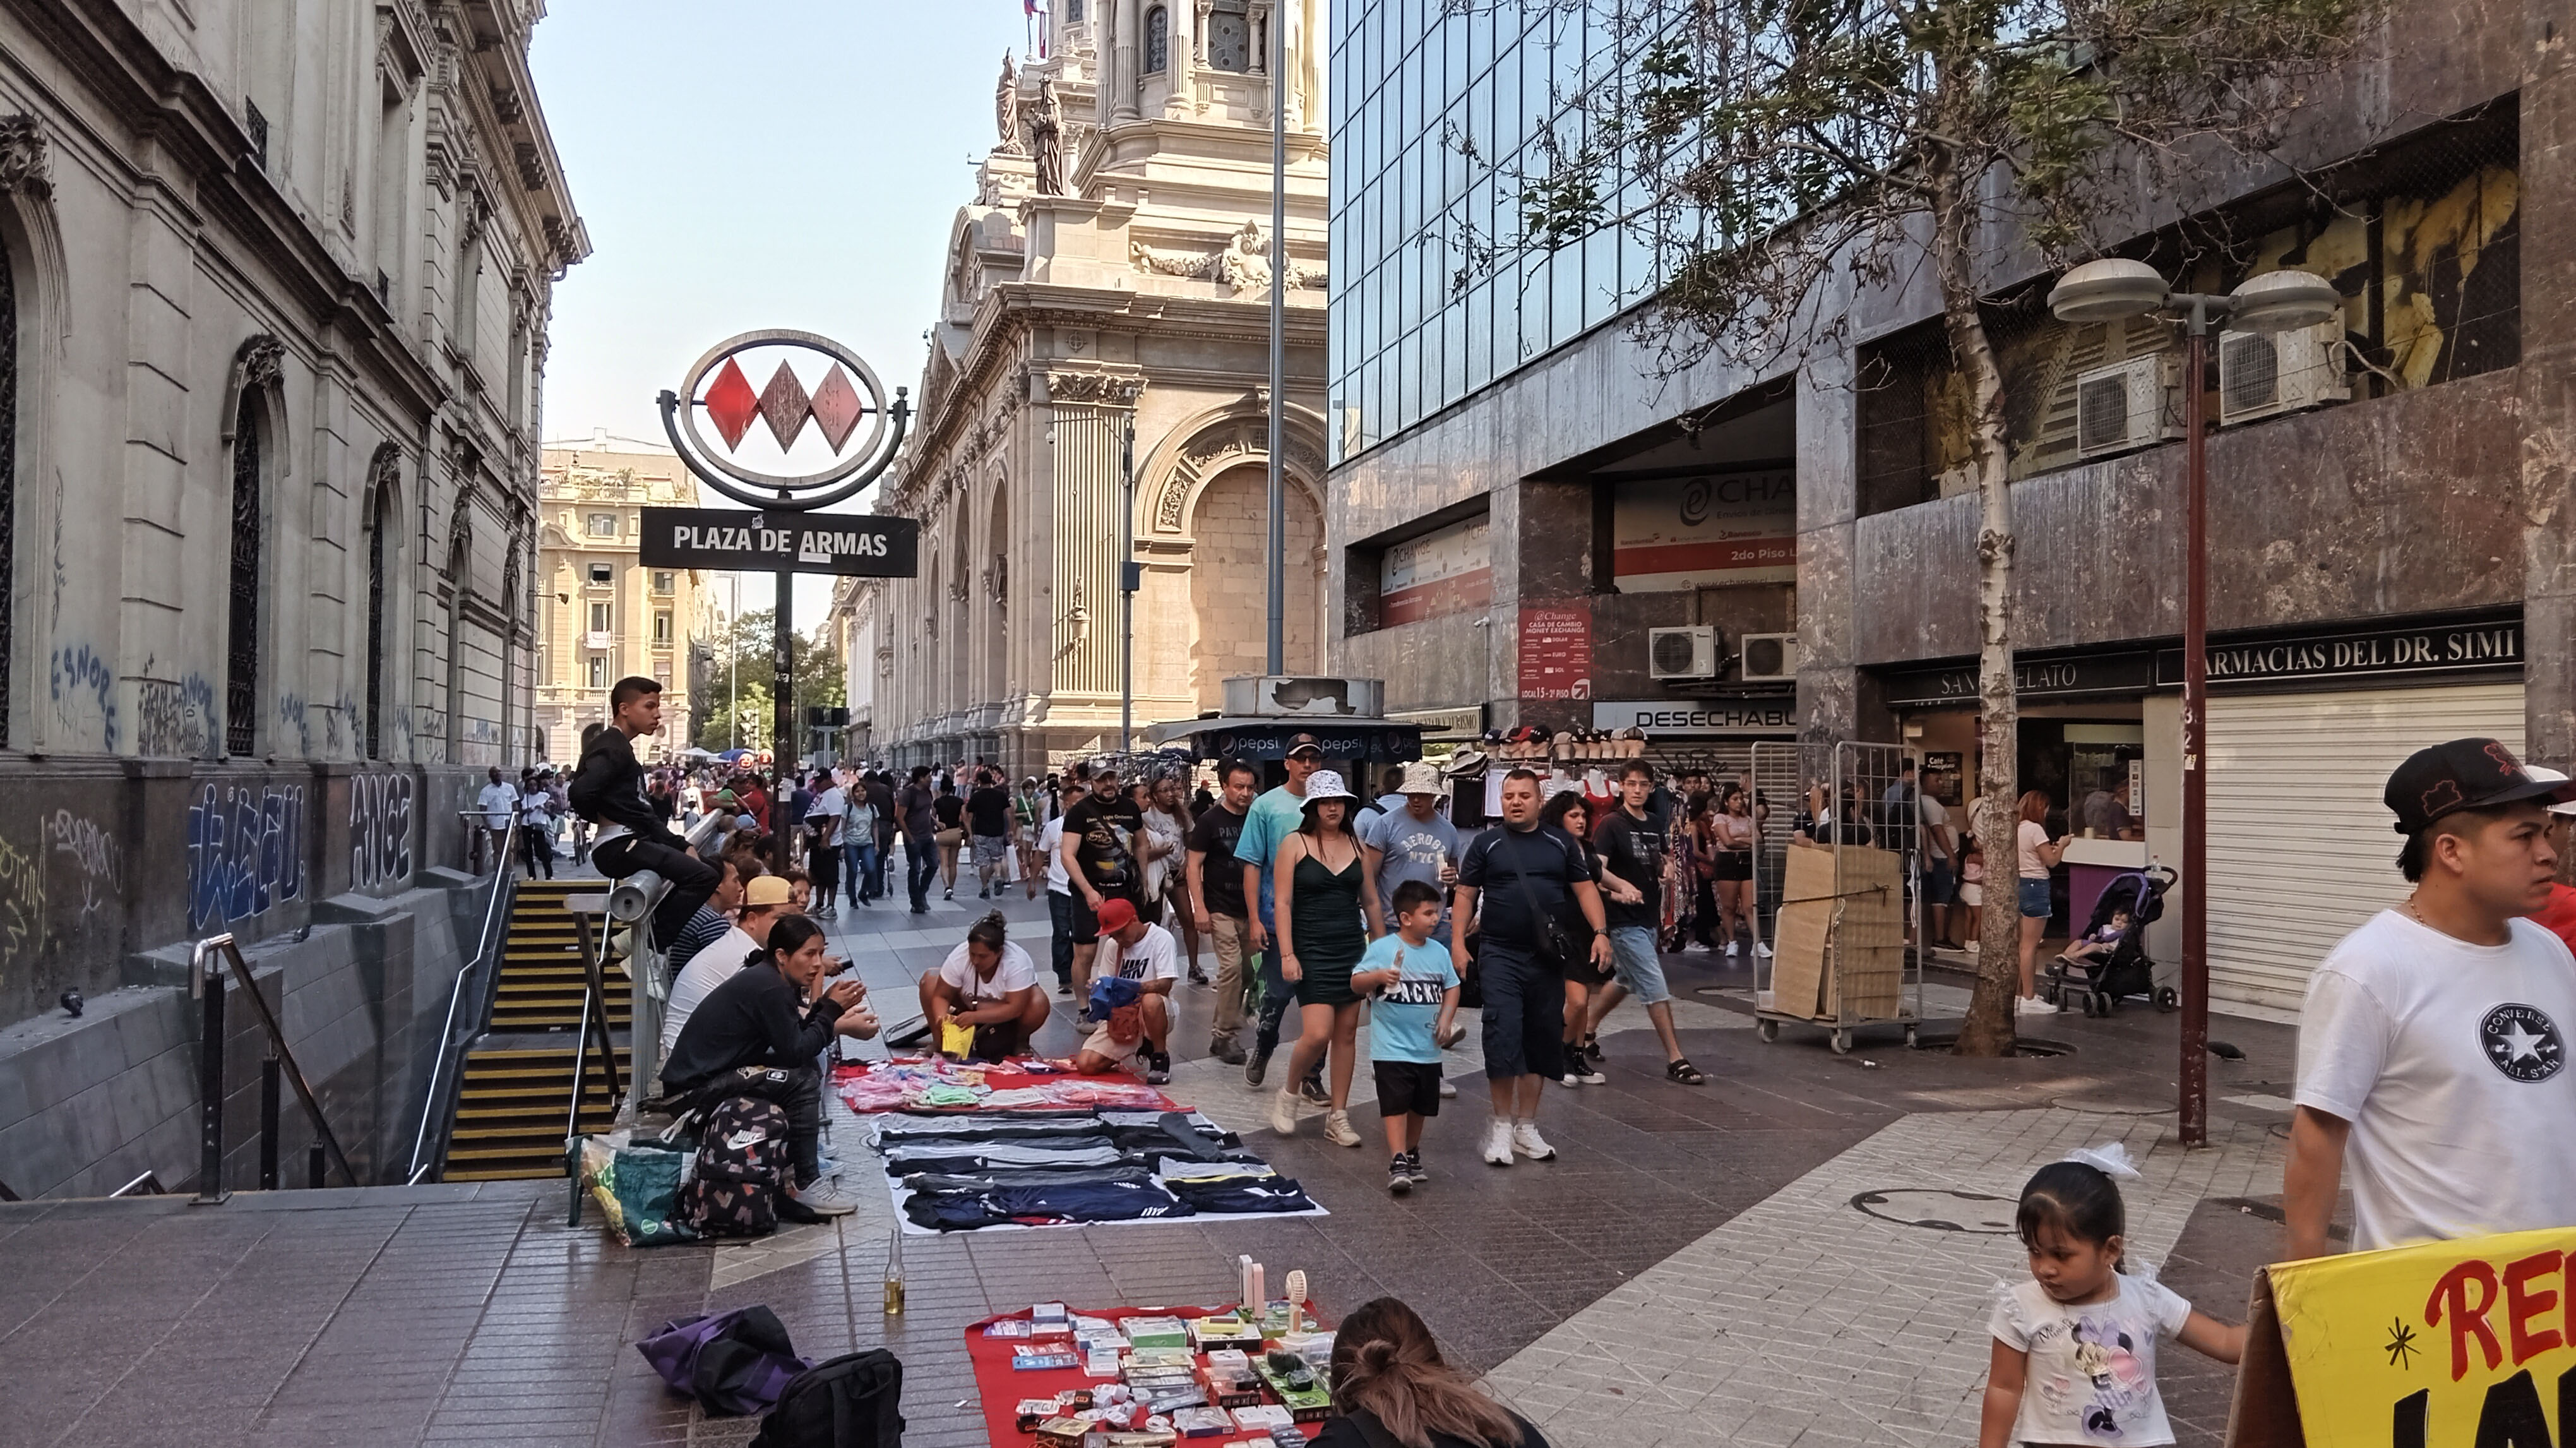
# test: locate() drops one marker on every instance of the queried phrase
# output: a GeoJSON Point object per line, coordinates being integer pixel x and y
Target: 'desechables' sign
{"type": "Point", "coordinates": [860, 544]}
{"type": "Point", "coordinates": [2466, 1344]}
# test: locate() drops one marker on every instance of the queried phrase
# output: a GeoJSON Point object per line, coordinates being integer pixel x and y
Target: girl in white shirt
{"type": "Point", "coordinates": [2075, 1347]}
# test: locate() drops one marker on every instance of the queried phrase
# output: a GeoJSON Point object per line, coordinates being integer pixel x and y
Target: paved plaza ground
{"type": "Point", "coordinates": [1800, 1252]}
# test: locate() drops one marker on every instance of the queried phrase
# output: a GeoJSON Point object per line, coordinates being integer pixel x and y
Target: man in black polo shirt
{"type": "Point", "coordinates": [1217, 904]}
{"type": "Point", "coordinates": [1528, 876]}
{"type": "Point", "coordinates": [750, 1038]}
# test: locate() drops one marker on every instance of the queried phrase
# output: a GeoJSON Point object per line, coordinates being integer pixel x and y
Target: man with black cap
{"type": "Point", "coordinates": [2433, 1043]}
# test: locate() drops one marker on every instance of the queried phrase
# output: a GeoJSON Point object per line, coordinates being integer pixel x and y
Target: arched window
{"type": "Point", "coordinates": [1073, 12]}
{"type": "Point", "coordinates": [241, 653]}
{"type": "Point", "coordinates": [1158, 40]}
{"type": "Point", "coordinates": [8, 475]}
{"type": "Point", "coordinates": [380, 525]}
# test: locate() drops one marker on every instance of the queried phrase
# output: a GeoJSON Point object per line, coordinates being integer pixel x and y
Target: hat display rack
{"type": "Point", "coordinates": [1532, 745]}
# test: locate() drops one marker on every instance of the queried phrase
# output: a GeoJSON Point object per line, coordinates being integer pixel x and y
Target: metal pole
{"type": "Point", "coordinates": [1127, 591]}
{"type": "Point", "coordinates": [2195, 732]}
{"type": "Point", "coordinates": [210, 1084]}
{"type": "Point", "coordinates": [783, 711]}
{"type": "Point", "coordinates": [268, 1095]}
{"type": "Point", "coordinates": [733, 669]}
{"type": "Point", "coordinates": [1278, 554]}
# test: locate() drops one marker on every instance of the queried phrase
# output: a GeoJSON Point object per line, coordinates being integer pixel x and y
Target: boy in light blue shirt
{"type": "Point", "coordinates": [1416, 992]}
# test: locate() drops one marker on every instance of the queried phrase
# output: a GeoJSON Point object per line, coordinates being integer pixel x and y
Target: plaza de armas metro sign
{"type": "Point", "coordinates": [786, 533]}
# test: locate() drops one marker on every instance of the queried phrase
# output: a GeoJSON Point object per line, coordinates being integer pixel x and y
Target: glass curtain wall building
{"type": "Point", "coordinates": [1439, 120]}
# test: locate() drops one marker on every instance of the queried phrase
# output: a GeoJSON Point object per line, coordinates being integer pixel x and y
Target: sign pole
{"type": "Point", "coordinates": [783, 714]}
{"type": "Point", "coordinates": [1276, 554]}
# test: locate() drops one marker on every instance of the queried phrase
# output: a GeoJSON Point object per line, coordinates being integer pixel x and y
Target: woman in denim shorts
{"type": "Point", "coordinates": [2039, 855]}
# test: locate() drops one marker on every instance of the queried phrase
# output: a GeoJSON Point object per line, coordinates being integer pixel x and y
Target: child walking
{"type": "Point", "coordinates": [1416, 990]}
{"type": "Point", "coordinates": [2075, 1347]}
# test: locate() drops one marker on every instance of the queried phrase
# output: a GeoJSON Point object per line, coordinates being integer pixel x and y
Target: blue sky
{"type": "Point", "coordinates": [780, 163]}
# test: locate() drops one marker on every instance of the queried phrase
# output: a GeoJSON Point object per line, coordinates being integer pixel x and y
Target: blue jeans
{"type": "Point", "coordinates": [1060, 911]}
{"type": "Point", "coordinates": [863, 868]}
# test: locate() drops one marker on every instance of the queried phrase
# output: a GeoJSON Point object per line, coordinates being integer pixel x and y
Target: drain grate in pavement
{"type": "Point", "coordinates": [1939, 1209]}
{"type": "Point", "coordinates": [2112, 1106]}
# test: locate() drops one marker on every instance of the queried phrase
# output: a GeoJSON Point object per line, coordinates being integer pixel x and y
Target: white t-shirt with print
{"type": "Point", "coordinates": [1153, 957]}
{"type": "Point", "coordinates": [1015, 974]}
{"type": "Point", "coordinates": [698, 979]}
{"type": "Point", "coordinates": [2450, 1061]}
{"type": "Point", "coordinates": [2092, 1376]}
{"type": "Point", "coordinates": [1051, 845]}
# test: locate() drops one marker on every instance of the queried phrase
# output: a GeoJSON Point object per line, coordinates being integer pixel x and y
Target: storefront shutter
{"type": "Point", "coordinates": [2301, 850]}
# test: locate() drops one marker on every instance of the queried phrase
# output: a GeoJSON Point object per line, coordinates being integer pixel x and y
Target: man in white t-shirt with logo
{"type": "Point", "coordinates": [1147, 956]}
{"type": "Point", "coordinates": [2433, 1044]}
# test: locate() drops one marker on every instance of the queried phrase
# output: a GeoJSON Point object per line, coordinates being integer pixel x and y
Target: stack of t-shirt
{"type": "Point", "coordinates": [964, 1172]}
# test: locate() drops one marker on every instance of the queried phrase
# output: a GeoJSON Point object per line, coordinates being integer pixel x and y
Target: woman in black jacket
{"type": "Point", "coordinates": [1390, 1387]}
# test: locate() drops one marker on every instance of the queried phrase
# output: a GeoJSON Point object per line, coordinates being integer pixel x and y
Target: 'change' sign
{"type": "Point", "coordinates": [860, 544]}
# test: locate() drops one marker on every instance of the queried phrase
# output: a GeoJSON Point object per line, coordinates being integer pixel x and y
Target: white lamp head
{"type": "Point", "coordinates": [2283, 301]}
{"type": "Point", "coordinates": [2108, 290]}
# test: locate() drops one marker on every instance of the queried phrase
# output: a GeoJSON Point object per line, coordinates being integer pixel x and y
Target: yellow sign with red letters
{"type": "Point", "coordinates": [2469, 1343]}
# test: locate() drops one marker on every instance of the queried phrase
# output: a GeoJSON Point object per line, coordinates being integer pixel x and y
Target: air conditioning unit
{"type": "Point", "coordinates": [1770, 657]}
{"type": "Point", "coordinates": [2127, 405]}
{"type": "Point", "coordinates": [2261, 374]}
{"type": "Point", "coordinates": [1682, 653]}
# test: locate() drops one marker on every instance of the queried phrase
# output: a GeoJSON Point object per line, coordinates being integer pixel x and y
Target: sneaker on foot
{"type": "Point", "coordinates": [1413, 1167]}
{"type": "Point", "coordinates": [1585, 1074]}
{"type": "Point", "coordinates": [1158, 1068]}
{"type": "Point", "coordinates": [1762, 950]}
{"type": "Point", "coordinates": [1527, 1141]}
{"type": "Point", "coordinates": [1498, 1143]}
{"type": "Point", "coordinates": [1283, 1113]}
{"type": "Point", "coordinates": [1399, 1182]}
{"type": "Point", "coordinates": [1312, 1088]}
{"type": "Point", "coordinates": [1337, 1129]}
{"type": "Point", "coordinates": [2033, 1006]}
{"type": "Point", "coordinates": [1730, 949]}
{"type": "Point", "coordinates": [824, 1200]}
{"type": "Point", "coordinates": [1198, 976]}
{"type": "Point", "coordinates": [1448, 1089]}
{"type": "Point", "coordinates": [1258, 1066]}
{"type": "Point", "coordinates": [1222, 1047]}
{"type": "Point", "coordinates": [948, 894]}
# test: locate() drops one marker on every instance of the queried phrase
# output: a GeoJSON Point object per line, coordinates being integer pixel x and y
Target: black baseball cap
{"type": "Point", "coordinates": [2463, 774]}
{"type": "Point", "coordinates": [1300, 743]}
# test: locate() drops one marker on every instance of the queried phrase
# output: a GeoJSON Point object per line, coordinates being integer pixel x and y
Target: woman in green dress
{"type": "Point", "coordinates": [1328, 913]}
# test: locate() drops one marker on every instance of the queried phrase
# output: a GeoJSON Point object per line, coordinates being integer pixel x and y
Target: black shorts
{"type": "Point", "coordinates": [1407, 1088]}
{"type": "Point", "coordinates": [1734, 865]}
{"type": "Point", "coordinates": [1086, 925]}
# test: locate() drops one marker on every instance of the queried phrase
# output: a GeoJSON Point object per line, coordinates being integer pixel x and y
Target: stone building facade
{"type": "Point", "coordinates": [276, 276]}
{"type": "Point", "coordinates": [1135, 304]}
{"type": "Point", "coordinates": [602, 615]}
{"type": "Point", "coordinates": [1518, 500]}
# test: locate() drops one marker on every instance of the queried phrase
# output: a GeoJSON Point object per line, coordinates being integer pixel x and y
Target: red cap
{"type": "Point", "coordinates": [1115, 913]}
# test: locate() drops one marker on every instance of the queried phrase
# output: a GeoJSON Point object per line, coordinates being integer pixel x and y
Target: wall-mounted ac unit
{"type": "Point", "coordinates": [1770, 657]}
{"type": "Point", "coordinates": [2261, 374]}
{"type": "Point", "coordinates": [2126, 405]}
{"type": "Point", "coordinates": [1682, 653]}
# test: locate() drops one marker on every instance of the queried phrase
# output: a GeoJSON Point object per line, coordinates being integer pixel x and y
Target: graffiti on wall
{"type": "Point", "coordinates": [175, 720]}
{"type": "Point", "coordinates": [379, 828]}
{"type": "Point", "coordinates": [84, 694]}
{"type": "Point", "coordinates": [22, 905]}
{"type": "Point", "coordinates": [245, 851]}
{"type": "Point", "coordinates": [97, 860]}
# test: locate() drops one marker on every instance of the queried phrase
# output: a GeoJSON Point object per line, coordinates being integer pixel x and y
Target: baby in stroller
{"type": "Point", "coordinates": [2109, 960]}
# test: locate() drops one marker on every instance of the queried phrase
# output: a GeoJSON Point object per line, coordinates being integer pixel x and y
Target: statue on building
{"type": "Point", "coordinates": [1046, 138]}
{"type": "Point", "coordinates": [1245, 263]}
{"type": "Point", "coordinates": [1006, 109]}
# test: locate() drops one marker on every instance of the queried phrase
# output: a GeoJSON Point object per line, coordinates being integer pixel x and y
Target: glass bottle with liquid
{"type": "Point", "coordinates": [894, 1273]}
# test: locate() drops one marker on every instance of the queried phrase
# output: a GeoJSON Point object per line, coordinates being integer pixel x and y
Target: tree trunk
{"type": "Point", "coordinates": [1988, 1029]}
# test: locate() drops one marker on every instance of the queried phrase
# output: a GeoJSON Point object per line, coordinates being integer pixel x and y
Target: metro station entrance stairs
{"type": "Point", "coordinates": [515, 1093]}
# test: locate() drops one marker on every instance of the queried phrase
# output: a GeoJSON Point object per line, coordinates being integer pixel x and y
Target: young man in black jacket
{"type": "Point", "coordinates": [751, 1036]}
{"type": "Point", "coordinates": [608, 790]}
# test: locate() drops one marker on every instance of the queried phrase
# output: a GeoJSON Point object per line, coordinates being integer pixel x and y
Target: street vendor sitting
{"type": "Point", "coordinates": [986, 994]}
{"type": "Point", "coordinates": [1149, 964]}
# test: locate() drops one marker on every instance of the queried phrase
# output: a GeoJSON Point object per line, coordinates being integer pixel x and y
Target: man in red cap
{"type": "Point", "coordinates": [2433, 1042]}
{"type": "Point", "coordinates": [1147, 956]}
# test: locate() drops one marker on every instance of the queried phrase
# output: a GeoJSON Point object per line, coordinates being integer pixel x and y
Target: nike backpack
{"type": "Point", "coordinates": [741, 1169]}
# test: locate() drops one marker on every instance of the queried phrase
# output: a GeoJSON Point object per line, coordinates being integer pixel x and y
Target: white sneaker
{"type": "Point", "coordinates": [1762, 950]}
{"type": "Point", "coordinates": [1283, 1112]}
{"type": "Point", "coordinates": [1731, 948]}
{"type": "Point", "coordinates": [1448, 1089]}
{"type": "Point", "coordinates": [1337, 1129]}
{"type": "Point", "coordinates": [1527, 1141]}
{"type": "Point", "coordinates": [2033, 1006]}
{"type": "Point", "coordinates": [826, 1199]}
{"type": "Point", "coordinates": [1498, 1142]}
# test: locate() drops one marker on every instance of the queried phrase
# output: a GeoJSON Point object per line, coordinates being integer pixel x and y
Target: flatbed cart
{"type": "Point", "coordinates": [1848, 902]}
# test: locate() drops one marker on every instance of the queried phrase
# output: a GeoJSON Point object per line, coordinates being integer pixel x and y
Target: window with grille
{"type": "Point", "coordinates": [603, 525]}
{"type": "Point", "coordinates": [598, 672]}
{"type": "Point", "coordinates": [1158, 41]}
{"type": "Point", "coordinates": [1229, 37]}
{"type": "Point", "coordinates": [662, 626]}
{"type": "Point", "coordinates": [599, 618]}
{"type": "Point", "coordinates": [662, 581]}
{"type": "Point", "coordinates": [382, 525]}
{"type": "Point", "coordinates": [241, 653]}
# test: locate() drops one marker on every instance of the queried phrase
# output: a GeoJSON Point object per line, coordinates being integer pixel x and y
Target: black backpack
{"type": "Point", "coordinates": [741, 1168]}
{"type": "Point", "coordinates": [853, 1401]}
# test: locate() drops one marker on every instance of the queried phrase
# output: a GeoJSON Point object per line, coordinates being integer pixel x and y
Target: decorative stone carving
{"type": "Point", "coordinates": [1243, 266]}
{"type": "Point", "coordinates": [23, 166]}
{"type": "Point", "coordinates": [1046, 138]}
{"type": "Point", "coordinates": [1006, 109]}
{"type": "Point", "coordinates": [1220, 446]}
{"type": "Point", "coordinates": [1105, 388]}
{"type": "Point", "coordinates": [262, 361]}
{"type": "Point", "coordinates": [1152, 260]}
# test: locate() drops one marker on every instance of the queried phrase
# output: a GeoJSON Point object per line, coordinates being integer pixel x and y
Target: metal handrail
{"type": "Point", "coordinates": [496, 910]}
{"type": "Point", "coordinates": [594, 1015]}
{"type": "Point", "coordinates": [205, 980]}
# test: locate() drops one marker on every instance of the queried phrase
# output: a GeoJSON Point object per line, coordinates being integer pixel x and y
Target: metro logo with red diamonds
{"type": "Point", "coordinates": [783, 404]}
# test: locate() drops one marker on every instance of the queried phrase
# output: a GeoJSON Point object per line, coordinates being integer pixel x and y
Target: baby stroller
{"type": "Point", "coordinates": [2098, 984]}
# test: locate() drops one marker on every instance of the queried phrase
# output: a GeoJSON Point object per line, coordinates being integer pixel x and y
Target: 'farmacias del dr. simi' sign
{"type": "Point", "coordinates": [2469, 1343]}
{"type": "Point", "coordinates": [864, 545]}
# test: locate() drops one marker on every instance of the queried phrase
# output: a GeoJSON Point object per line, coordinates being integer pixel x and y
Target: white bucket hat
{"type": "Point", "coordinates": [1326, 784]}
{"type": "Point", "coordinates": [1419, 778]}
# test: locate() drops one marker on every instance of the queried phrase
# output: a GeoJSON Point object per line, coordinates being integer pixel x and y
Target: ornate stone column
{"type": "Point", "coordinates": [1123, 65]}
{"type": "Point", "coordinates": [1180, 73]}
{"type": "Point", "coordinates": [1090, 412]}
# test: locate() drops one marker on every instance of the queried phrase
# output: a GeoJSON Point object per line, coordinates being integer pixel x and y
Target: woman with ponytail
{"type": "Point", "coordinates": [1391, 1388]}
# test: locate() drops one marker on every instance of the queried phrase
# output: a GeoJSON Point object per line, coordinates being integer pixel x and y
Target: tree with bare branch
{"type": "Point", "coordinates": [1778, 154]}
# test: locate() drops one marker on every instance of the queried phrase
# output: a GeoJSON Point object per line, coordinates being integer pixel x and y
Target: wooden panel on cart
{"type": "Point", "coordinates": [1841, 934]}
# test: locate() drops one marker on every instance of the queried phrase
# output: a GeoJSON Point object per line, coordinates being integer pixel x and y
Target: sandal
{"type": "Point", "coordinates": [1684, 1073]}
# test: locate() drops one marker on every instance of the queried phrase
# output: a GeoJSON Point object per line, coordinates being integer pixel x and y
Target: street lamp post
{"type": "Point", "coordinates": [2113, 290]}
